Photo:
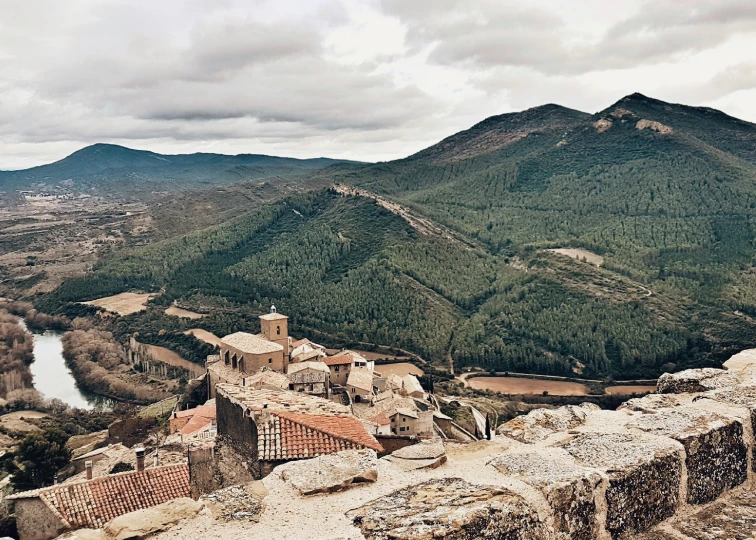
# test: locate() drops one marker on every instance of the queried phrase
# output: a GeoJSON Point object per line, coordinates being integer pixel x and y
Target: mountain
{"type": "Point", "coordinates": [458, 252]}
{"type": "Point", "coordinates": [117, 170]}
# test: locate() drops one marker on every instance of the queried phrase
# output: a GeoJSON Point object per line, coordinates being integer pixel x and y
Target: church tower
{"type": "Point", "coordinates": [275, 327]}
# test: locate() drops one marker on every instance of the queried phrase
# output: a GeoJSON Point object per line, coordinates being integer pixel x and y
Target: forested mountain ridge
{"type": "Point", "coordinates": [116, 170]}
{"type": "Point", "coordinates": [665, 194]}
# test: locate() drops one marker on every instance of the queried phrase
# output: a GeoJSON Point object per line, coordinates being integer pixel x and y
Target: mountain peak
{"type": "Point", "coordinates": [497, 132]}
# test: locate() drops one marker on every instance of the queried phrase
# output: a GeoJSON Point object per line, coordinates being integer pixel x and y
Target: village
{"type": "Point", "coordinates": [272, 399]}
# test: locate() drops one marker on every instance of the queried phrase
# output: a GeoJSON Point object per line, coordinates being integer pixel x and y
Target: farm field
{"type": "Point", "coordinates": [515, 385]}
{"type": "Point", "coordinates": [400, 368]}
{"type": "Point", "coordinates": [183, 313]}
{"type": "Point", "coordinates": [124, 303]}
{"type": "Point", "coordinates": [628, 390]}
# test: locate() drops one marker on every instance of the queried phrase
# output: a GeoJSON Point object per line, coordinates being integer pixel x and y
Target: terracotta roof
{"type": "Point", "coordinates": [250, 343]}
{"type": "Point", "coordinates": [207, 410]}
{"type": "Point", "coordinates": [380, 419]}
{"type": "Point", "coordinates": [93, 503]}
{"type": "Point", "coordinates": [284, 436]}
{"type": "Point", "coordinates": [195, 424]}
{"type": "Point", "coordinates": [361, 378]}
{"type": "Point", "coordinates": [294, 425]}
{"type": "Point", "coordinates": [338, 360]}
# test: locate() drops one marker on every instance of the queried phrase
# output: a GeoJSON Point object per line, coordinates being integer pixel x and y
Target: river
{"type": "Point", "coordinates": [53, 379]}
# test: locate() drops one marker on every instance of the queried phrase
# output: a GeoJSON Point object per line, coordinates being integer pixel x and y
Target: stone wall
{"type": "Point", "coordinates": [142, 359]}
{"type": "Point", "coordinates": [36, 521]}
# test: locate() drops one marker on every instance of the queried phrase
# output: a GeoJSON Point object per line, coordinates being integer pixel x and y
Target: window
{"type": "Point", "coordinates": [291, 387]}
{"type": "Point", "coordinates": [233, 361]}
{"type": "Point", "coordinates": [278, 330]}
{"type": "Point", "coordinates": [336, 369]}
{"type": "Point", "coordinates": [227, 356]}
{"type": "Point", "coordinates": [270, 360]}
{"type": "Point", "coordinates": [404, 419]}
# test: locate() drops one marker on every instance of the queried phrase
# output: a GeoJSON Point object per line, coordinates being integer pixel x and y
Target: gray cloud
{"type": "Point", "coordinates": [507, 33]}
{"type": "Point", "coordinates": [364, 79]}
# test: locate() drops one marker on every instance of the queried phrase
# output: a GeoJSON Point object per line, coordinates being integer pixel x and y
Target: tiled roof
{"type": "Point", "coordinates": [226, 373]}
{"type": "Point", "coordinates": [306, 353]}
{"type": "Point", "coordinates": [284, 436]}
{"type": "Point", "coordinates": [93, 503]}
{"type": "Point", "coordinates": [315, 366]}
{"type": "Point", "coordinates": [305, 341]}
{"type": "Point", "coordinates": [404, 412]}
{"type": "Point", "coordinates": [411, 384]}
{"type": "Point", "coordinates": [250, 343]}
{"type": "Point", "coordinates": [207, 410]}
{"type": "Point", "coordinates": [361, 378]}
{"type": "Point", "coordinates": [267, 378]}
{"type": "Point", "coordinates": [279, 400]}
{"type": "Point", "coordinates": [196, 423]}
{"type": "Point", "coordinates": [338, 360]}
{"type": "Point", "coordinates": [293, 425]}
{"type": "Point", "coordinates": [273, 317]}
{"type": "Point", "coordinates": [380, 419]}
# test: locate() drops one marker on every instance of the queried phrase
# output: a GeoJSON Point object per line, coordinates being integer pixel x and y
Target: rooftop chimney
{"type": "Point", "coordinates": [88, 467]}
{"type": "Point", "coordinates": [140, 459]}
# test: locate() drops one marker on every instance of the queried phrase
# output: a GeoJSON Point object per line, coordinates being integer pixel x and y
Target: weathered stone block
{"type": "Point", "coordinates": [644, 477]}
{"type": "Point", "coordinates": [331, 472]}
{"type": "Point", "coordinates": [695, 380]}
{"type": "Point", "coordinates": [714, 447]}
{"type": "Point", "coordinates": [538, 424]}
{"type": "Point", "coordinates": [450, 508]}
{"type": "Point", "coordinates": [570, 490]}
{"type": "Point", "coordinates": [744, 397]}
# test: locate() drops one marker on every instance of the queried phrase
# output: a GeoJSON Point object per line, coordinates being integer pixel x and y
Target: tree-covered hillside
{"type": "Point", "coordinates": [665, 194]}
{"type": "Point", "coordinates": [108, 169]}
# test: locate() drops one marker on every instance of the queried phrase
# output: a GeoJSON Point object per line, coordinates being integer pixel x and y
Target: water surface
{"type": "Point", "coordinates": [53, 379]}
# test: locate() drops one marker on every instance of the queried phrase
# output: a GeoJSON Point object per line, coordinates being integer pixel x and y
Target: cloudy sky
{"type": "Point", "coordinates": [370, 80]}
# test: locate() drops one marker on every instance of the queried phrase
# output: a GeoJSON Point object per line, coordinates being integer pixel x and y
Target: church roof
{"type": "Point", "coordinates": [252, 344]}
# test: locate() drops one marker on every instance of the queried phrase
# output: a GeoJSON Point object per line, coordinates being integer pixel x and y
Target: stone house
{"type": "Point", "coordinates": [189, 421]}
{"type": "Point", "coordinates": [260, 429]}
{"type": "Point", "coordinates": [340, 367]}
{"type": "Point", "coordinates": [359, 385]}
{"type": "Point", "coordinates": [310, 377]}
{"type": "Point", "coordinates": [412, 386]}
{"type": "Point", "coordinates": [267, 378]}
{"type": "Point", "coordinates": [46, 513]}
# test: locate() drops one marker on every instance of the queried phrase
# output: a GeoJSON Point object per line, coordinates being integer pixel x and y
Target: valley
{"type": "Point", "coordinates": [474, 249]}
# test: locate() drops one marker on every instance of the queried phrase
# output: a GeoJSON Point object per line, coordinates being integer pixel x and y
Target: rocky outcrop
{"type": "Point", "coordinates": [331, 472]}
{"type": "Point", "coordinates": [237, 503]}
{"type": "Point", "coordinates": [694, 380]}
{"type": "Point", "coordinates": [449, 508]}
{"type": "Point", "coordinates": [538, 424]}
{"type": "Point", "coordinates": [143, 523]}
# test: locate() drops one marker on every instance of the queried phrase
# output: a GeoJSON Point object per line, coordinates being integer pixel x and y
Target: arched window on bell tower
{"type": "Point", "coordinates": [278, 330]}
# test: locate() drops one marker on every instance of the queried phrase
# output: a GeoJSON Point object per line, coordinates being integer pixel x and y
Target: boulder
{"type": "Point", "coordinates": [644, 473]}
{"type": "Point", "coordinates": [151, 520]}
{"type": "Point", "coordinates": [429, 449]}
{"type": "Point", "coordinates": [428, 454]}
{"type": "Point", "coordinates": [449, 508]}
{"type": "Point", "coordinates": [538, 424]}
{"type": "Point", "coordinates": [653, 402]}
{"type": "Point", "coordinates": [331, 472]}
{"type": "Point", "coordinates": [569, 489]}
{"type": "Point", "coordinates": [695, 380]}
{"type": "Point", "coordinates": [714, 447]}
{"type": "Point", "coordinates": [244, 502]}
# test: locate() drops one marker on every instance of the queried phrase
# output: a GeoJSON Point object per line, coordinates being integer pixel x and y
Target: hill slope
{"type": "Point", "coordinates": [664, 194]}
{"type": "Point", "coordinates": [110, 169]}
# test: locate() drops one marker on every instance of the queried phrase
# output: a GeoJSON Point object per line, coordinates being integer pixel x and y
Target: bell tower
{"type": "Point", "coordinates": [275, 327]}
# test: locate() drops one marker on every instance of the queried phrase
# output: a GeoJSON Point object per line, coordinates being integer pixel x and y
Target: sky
{"type": "Point", "coordinates": [370, 80]}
